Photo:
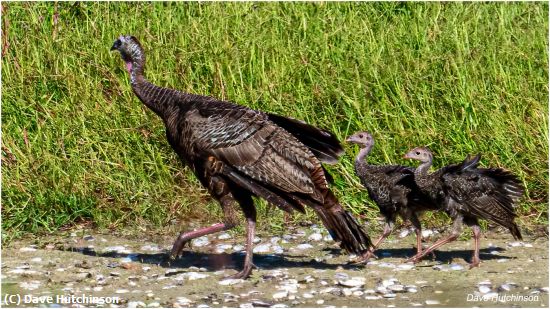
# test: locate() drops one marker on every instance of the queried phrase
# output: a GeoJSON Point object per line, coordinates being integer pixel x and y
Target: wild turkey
{"type": "Point", "coordinates": [238, 153]}
{"type": "Point", "coordinates": [468, 193]}
{"type": "Point", "coordinates": [392, 188]}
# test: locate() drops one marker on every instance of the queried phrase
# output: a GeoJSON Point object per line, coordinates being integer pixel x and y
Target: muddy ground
{"type": "Point", "coordinates": [299, 268]}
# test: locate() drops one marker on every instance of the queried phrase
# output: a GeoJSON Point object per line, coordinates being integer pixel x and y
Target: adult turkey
{"type": "Point", "coordinates": [468, 193]}
{"type": "Point", "coordinates": [237, 153]}
{"type": "Point", "coordinates": [392, 188]}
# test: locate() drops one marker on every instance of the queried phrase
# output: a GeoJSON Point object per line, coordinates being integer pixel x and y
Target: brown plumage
{"type": "Point", "coordinates": [392, 188]}
{"type": "Point", "coordinates": [468, 193]}
{"type": "Point", "coordinates": [237, 153]}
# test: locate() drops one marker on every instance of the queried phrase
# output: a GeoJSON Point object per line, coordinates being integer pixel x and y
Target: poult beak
{"type": "Point", "coordinates": [116, 45]}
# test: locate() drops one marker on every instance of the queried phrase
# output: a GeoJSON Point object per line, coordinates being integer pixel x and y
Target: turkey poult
{"type": "Point", "coordinates": [237, 153]}
{"type": "Point", "coordinates": [468, 193]}
{"type": "Point", "coordinates": [392, 188]}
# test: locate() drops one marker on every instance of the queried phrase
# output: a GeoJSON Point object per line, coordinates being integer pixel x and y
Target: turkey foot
{"type": "Point", "coordinates": [243, 274]}
{"type": "Point", "coordinates": [475, 263]}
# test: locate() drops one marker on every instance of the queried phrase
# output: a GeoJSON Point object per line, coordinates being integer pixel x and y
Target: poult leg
{"type": "Point", "coordinates": [388, 226]}
{"type": "Point", "coordinates": [418, 241]}
{"type": "Point", "coordinates": [475, 258]}
{"type": "Point", "coordinates": [455, 232]}
{"type": "Point", "coordinates": [418, 230]}
{"type": "Point", "coordinates": [387, 231]}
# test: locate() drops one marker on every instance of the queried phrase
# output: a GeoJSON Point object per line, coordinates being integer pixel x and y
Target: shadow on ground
{"type": "Point", "coordinates": [219, 261]}
{"type": "Point", "coordinates": [444, 256]}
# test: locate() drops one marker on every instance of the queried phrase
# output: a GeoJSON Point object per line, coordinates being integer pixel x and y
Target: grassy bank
{"type": "Point", "coordinates": [78, 146]}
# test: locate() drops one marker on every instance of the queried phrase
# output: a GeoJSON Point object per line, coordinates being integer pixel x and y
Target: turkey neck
{"type": "Point", "coordinates": [360, 160]}
{"type": "Point", "coordinates": [156, 98]}
{"type": "Point", "coordinates": [421, 174]}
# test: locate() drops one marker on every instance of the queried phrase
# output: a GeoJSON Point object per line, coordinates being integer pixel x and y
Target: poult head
{"type": "Point", "coordinates": [130, 50]}
{"type": "Point", "coordinates": [421, 154]}
{"type": "Point", "coordinates": [362, 138]}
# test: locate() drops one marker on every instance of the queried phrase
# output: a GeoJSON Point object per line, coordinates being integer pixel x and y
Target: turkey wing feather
{"type": "Point", "coordinates": [256, 147]}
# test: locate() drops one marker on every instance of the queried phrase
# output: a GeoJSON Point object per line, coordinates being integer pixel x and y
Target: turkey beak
{"type": "Point", "coordinates": [116, 45]}
{"type": "Point", "coordinates": [406, 156]}
{"type": "Point", "coordinates": [349, 139]}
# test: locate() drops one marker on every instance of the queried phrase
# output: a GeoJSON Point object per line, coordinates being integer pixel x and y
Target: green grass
{"type": "Point", "coordinates": [78, 146]}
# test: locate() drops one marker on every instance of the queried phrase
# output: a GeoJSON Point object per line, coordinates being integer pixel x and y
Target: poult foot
{"type": "Point", "coordinates": [368, 255]}
{"type": "Point", "coordinates": [363, 258]}
{"type": "Point", "coordinates": [415, 259]}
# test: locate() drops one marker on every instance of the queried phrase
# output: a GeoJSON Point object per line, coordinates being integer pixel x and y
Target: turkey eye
{"type": "Point", "coordinates": [360, 135]}
{"type": "Point", "coordinates": [418, 152]}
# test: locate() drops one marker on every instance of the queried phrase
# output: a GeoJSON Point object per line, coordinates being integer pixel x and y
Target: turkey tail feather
{"type": "Point", "coordinates": [345, 229]}
{"type": "Point", "coordinates": [340, 224]}
{"type": "Point", "coordinates": [514, 229]}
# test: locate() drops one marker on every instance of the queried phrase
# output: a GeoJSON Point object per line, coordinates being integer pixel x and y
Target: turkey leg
{"type": "Point", "coordinates": [248, 265]}
{"type": "Point", "coordinates": [227, 203]}
{"type": "Point", "coordinates": [220, 190]}
{"type": "Point", "coordinates": [185, 237]}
